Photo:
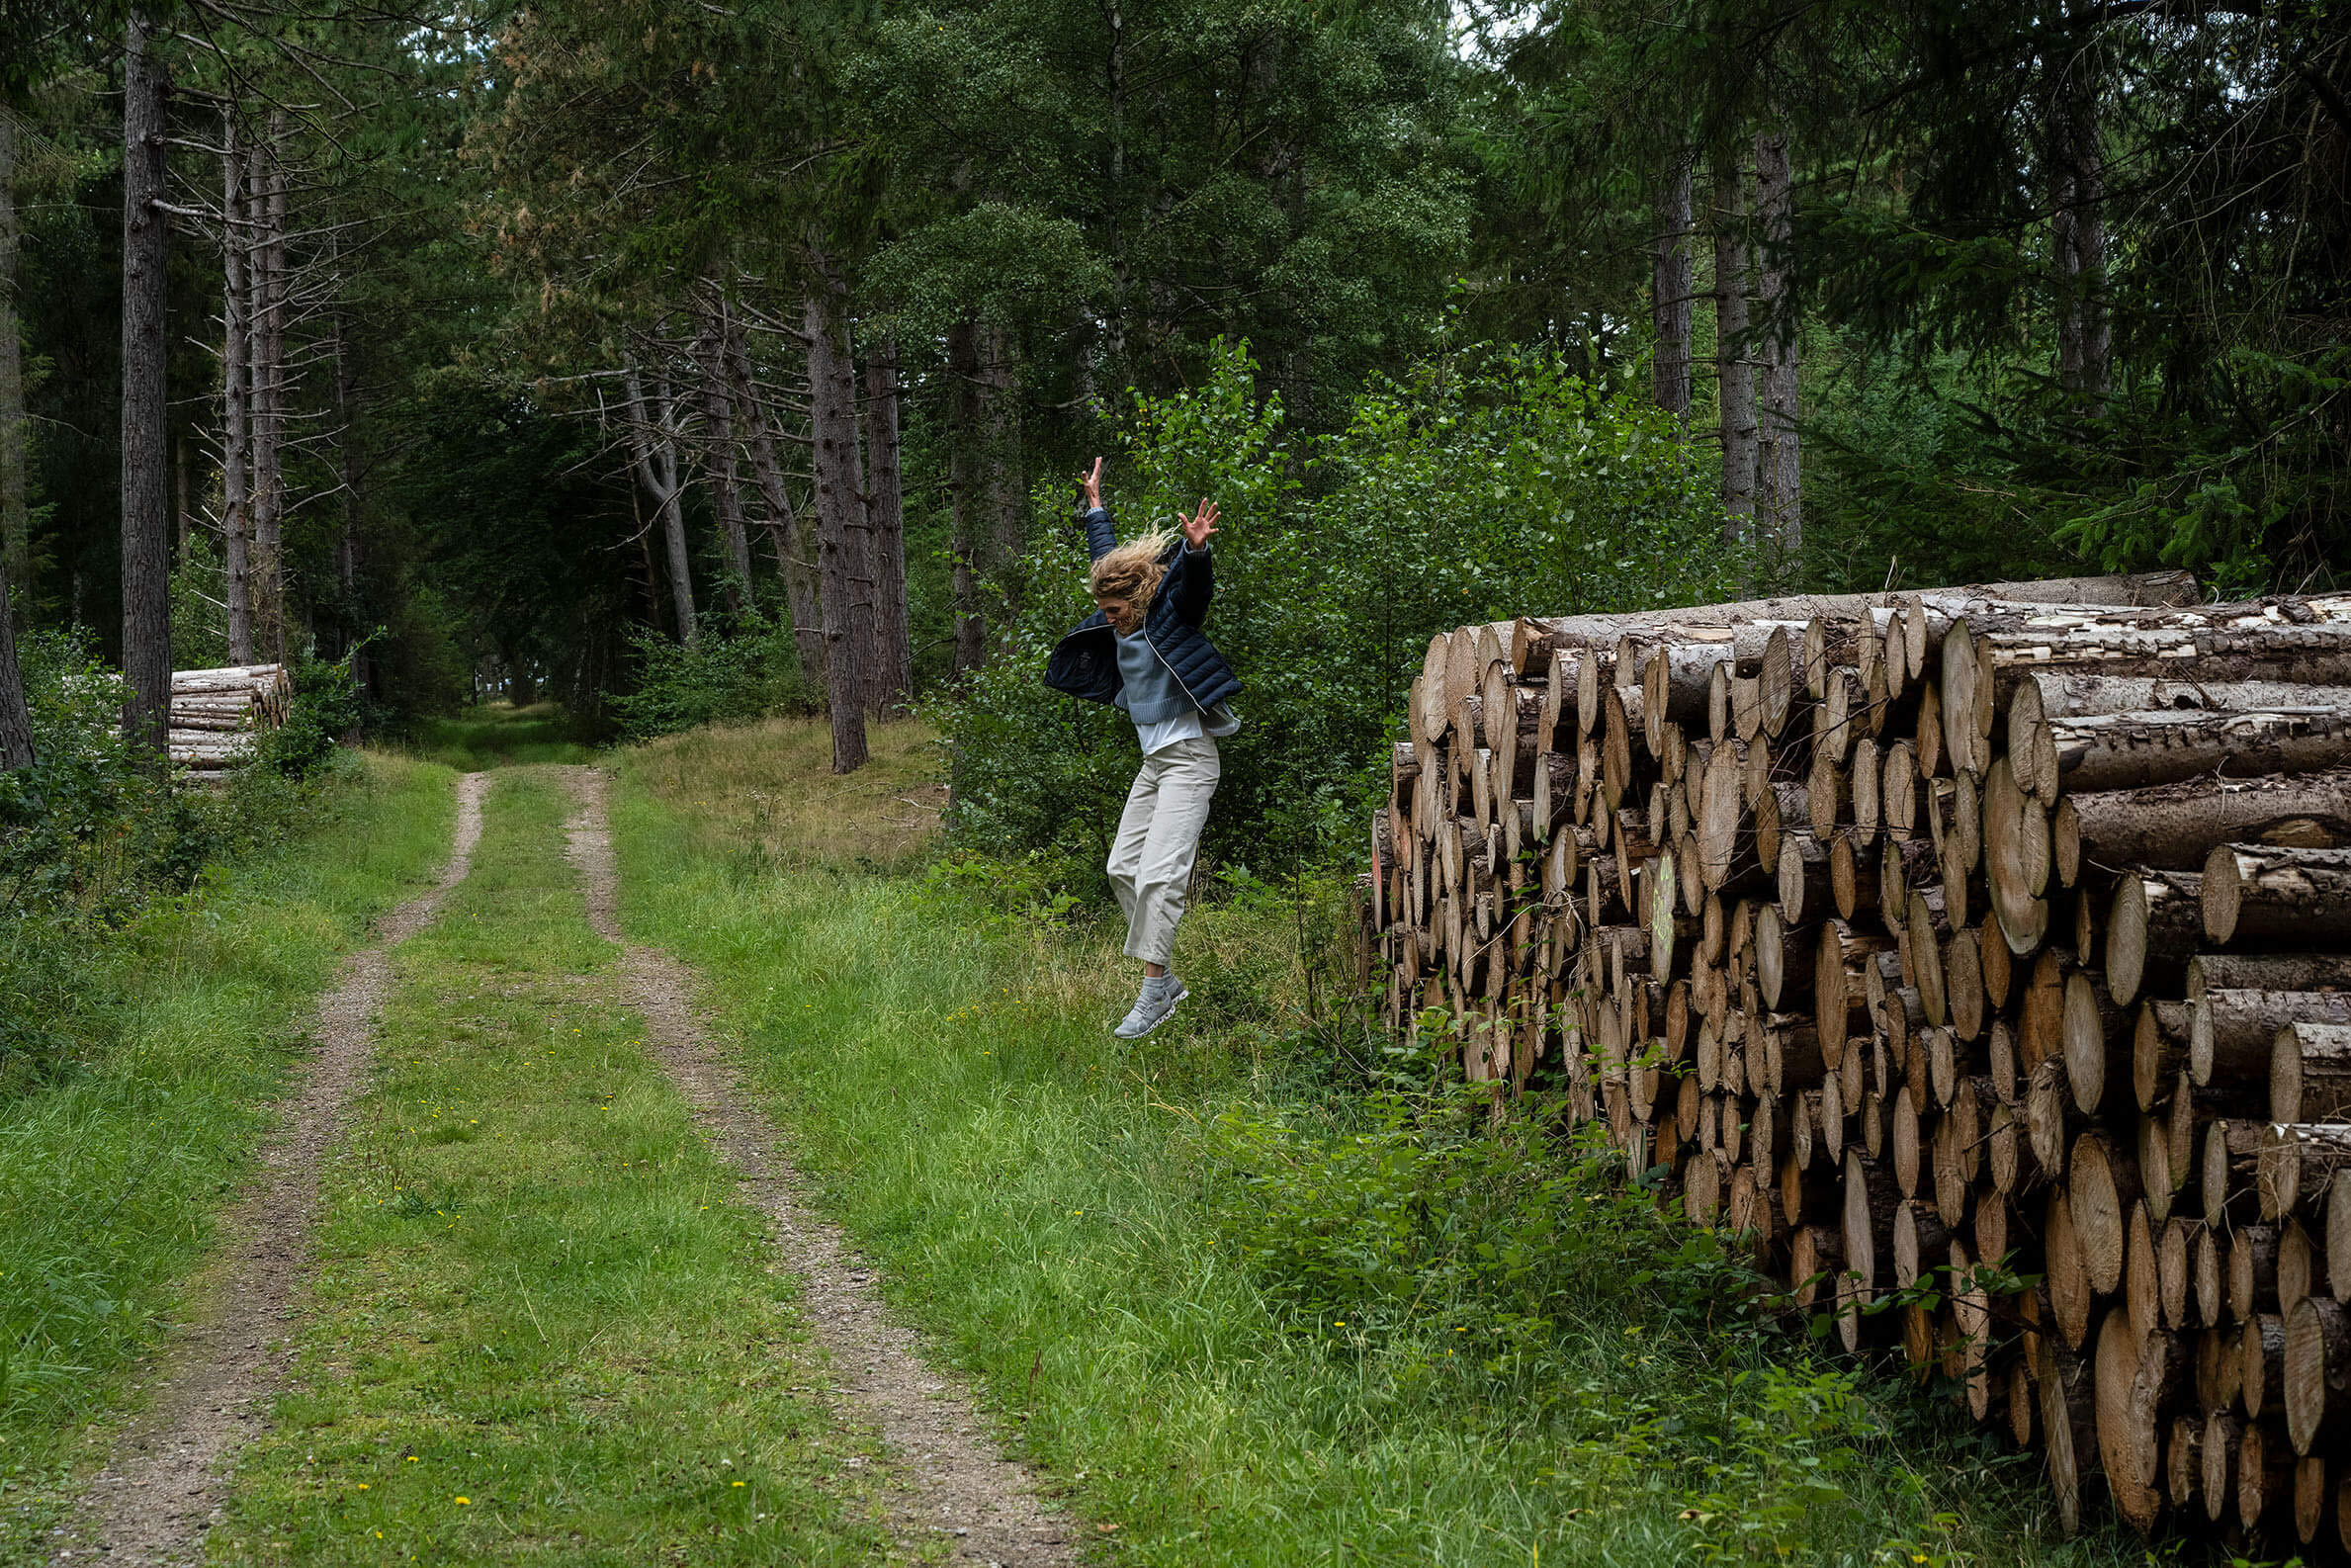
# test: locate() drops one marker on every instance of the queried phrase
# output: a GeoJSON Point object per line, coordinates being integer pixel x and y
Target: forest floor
{"type": "Point", "coordinates": [860, 1240]}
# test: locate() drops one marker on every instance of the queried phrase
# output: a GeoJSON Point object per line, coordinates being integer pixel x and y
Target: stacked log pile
{"type": "Point", "coordinates": [214, 714]}
{"type": "Point", "coordinates": [1982, 962]}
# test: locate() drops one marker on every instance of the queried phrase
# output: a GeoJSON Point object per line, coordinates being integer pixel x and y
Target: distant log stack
{"type": "Point", "coordinates": [214, 714]}
{"type": "Point", "coordinates": [1950, 940]}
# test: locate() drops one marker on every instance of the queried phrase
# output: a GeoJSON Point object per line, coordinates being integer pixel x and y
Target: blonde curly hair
{"type": "Point", "coordinates": [1131, 573]}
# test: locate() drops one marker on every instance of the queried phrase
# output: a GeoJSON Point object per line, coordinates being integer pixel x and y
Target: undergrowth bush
{"type": "Point", "coordinates": [736, 671]}
{"type": "Point", "coordinates": [1463, 1265]}
{"type": "Point", "coordinates": [1491, 483]}
{"type": "Point", "coordinates": [92, 838]}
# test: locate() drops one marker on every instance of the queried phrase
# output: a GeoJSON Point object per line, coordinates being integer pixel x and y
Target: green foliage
{"type": "Point", "coordinates": [1483, 1258]}
{"type": "Point", "coordinates": [92, 838]}
{"type": "Point", "coordinates": [1489, 484]}
{"type": "Point", "coordinates": [733, 673]}
{"type": "Point", "coordinates": [1123, 188]}
{"type": "Point", "coordinates": [330, 707]}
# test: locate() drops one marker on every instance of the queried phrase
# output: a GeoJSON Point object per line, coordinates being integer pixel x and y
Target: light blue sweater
{"type": "Point", "coordinates": [1151, 693]}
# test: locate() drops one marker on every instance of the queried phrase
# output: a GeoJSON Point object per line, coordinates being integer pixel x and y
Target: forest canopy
{"type": "Point", "coordinates": [679, 361]}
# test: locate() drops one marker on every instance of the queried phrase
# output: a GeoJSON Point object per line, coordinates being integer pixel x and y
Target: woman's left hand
{"type": "Point", "coordinates": [1201, 525]}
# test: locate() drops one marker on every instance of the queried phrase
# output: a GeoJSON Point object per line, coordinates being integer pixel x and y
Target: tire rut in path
{"type": "Point", "coordinates": [957, 1484]}
{"type": "Point", "coordinates": [168, 1477]}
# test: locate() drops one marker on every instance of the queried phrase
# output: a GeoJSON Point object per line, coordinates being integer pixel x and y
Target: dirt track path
{"type": "Point", "coordinates": [168, 1476]}
{"type": "Point", "coordinates": [957, 1483]}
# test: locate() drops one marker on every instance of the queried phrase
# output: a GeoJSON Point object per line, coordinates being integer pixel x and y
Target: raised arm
{"type": "Point", "coordinates": [1100, 536]}
{"type": "Point", "coordinates": [1195, 579]}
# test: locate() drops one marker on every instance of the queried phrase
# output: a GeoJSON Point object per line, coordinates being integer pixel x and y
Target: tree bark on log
{"type": "Point", "coordinates": [2135, 750]}
{"type": "Point", "coordinates": [2151, 589]}
{"type": "Point", "coordinates": [2152, 928]}
{"type": "Point", "coordinates": [2309, 1071]}
{"type": "Point", "coordinates": [2232, 1033]}
{"type": "Point", "coordinates": [2295, 1162]}
{"type": "Point", "coordinates": [2174, 827]}
{"type": "Point", "coordinates": [2251, 890]}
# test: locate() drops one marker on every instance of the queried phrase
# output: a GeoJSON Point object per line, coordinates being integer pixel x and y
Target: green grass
{"type": "Point", "coordinates": [1054, 1207]}
{"type": "Point", "coordinates": [543, 1328]}
{"type": "Point", "coordinates": [110, 1176]}
{"type": "Point", "coordinates": [499, 735]}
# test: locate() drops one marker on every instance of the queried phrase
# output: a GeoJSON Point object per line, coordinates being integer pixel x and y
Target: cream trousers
{"type": "Point", "coordinates": [1159, 834]}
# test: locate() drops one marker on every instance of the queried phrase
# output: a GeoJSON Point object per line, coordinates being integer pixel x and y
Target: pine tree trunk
{"type": "Point", "coordinates": [661, 450]}
{"type": "Point", "coordinates": [653, 451]}
{"type": "Point", "coordinates": [963, 491]}
{"type": "Point", "coordinates": [833, 422]}
{"type": "Point", "coordinates": [183, 511]}
{"type": "Point", "coordinates": [865, 615]}
{"type": "Point", "coordinates": [894, 666]}
{"type": "Point", "coordinates": [237, 436]}
{"type": "Point", "coordinates": [1669, 291]}
{"type": "Point", "coordinates": [1779, 507]}
{"type": "Point", "coordinates": [2077, 224]}
{"type": "Point", "coordinates": [347, 615]}
{"type": "Point", "coordinates": [1006, 489]}
{"type": "Point", "coordinates": [717, 458]}
{"type": "Point", "coordinates": [147, 410]}
{"type": "Point", "coordinates": [267, 284]}
{"type": "Point", "coordinates": [16, 720]}
{"type": "Point", "coordinates": [16, 518]}
{"type": "Point", "coordinates": [784, 532]}
{"type": "Point", "coordinates": [1734, 352]}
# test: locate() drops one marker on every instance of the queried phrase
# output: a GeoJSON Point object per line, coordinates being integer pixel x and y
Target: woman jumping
{"type": "Point", "coordinates": [1143, 651]}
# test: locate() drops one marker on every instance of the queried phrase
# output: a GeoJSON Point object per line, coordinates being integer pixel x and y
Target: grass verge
{"type": "Point", "coordinates": [542, 1328]}
{"type": "Point", "coordinates": [772, 787]}
{"type": "Point", "coordinates": [111, 1175]}
{"type": "Point", "coordinates": [1137, 1248]}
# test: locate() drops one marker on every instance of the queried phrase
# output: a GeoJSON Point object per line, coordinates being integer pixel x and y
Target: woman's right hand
{"type": "Point", "coordinates": [1093, 486]}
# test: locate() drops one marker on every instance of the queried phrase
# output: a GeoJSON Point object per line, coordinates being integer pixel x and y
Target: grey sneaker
{"type": "Point", "coordinates": [1153, 1005]}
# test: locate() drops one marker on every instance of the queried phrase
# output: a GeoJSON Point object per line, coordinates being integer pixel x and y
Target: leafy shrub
{"type": "Point", "coordinates": [80, 827]}
{"type": "Point", "coordinates": [733, 673]}
{"type": "Point", "coordinates": [1491, 483]}
{"type": "Point", "coordinates": [91, 835]}
{"type": "Point", "coordinates": [328, 704]}
{"type": "Point", "coordinates": [1508, 1272]}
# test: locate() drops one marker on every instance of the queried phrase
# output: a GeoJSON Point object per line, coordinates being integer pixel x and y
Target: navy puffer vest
{"type": "Point", "coordinates": [1085, 663]}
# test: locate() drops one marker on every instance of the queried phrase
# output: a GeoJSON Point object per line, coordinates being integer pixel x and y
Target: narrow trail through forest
{"type": "Point", "coordinates": [955, 1480]}
{"type": "Point", "coordinates": [168, 1476]}
{"type": "Point", "coordinates": [172, 1476]}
